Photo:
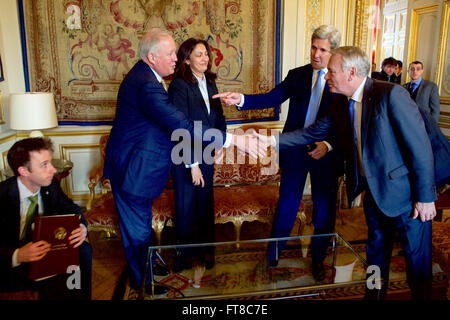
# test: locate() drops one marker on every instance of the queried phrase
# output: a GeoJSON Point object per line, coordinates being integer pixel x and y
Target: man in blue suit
{"type": "Point", "coordinates": [310, 98]}
{"type": "Point", "coordinates": [138, 153]}
{"type": "Point", "coordinates": [388, 155]}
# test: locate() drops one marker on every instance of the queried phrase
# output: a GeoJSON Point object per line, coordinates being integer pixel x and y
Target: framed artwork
{"type": "Point", "coordinates": [90, 45]}
{"type": "Point", "coordinates": [443, 62]}
{"type": "Point", "coordinates": [2, 110]}
{"type": "Point", "coordinates": [2, 76]}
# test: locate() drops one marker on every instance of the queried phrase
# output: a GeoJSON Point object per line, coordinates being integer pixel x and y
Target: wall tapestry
{"type": "Point", "coordinates": [82, 49]}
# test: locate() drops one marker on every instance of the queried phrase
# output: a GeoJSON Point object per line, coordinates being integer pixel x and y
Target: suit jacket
{"type": "Point", "coordinates": [427, 97]}
{"type": "Point", "coordinates": [383, 76]}
{"type": "Point", "coordinates": [296, 87]}
{"type": "Point", "coordinates": [138, 153]}
{"type": "Point", "coordinates": [397, 160]}
{"type": "Point", "coordinates": [55, 202]}
{"type": "Point", "coordinates": [188, 99]}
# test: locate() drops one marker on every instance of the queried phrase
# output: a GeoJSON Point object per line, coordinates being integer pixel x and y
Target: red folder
{"type": "Point", "coordinates": [56, 231]}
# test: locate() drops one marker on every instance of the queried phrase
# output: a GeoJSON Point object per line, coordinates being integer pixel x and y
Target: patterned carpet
{"type": "Point", "coordinates": [246, 273]}
{"type": "Point", "coordinates": [237, 272]}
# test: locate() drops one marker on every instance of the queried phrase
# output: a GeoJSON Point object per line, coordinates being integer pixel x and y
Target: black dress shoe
{"type": "Point", "coordinates": [273, 264]}
{"type": "Point", "coordinates": [159, 270]}
{"type": "Point", "coordinates": [158, 289]}
{"type": "Point", "coordinates": [318, 271]}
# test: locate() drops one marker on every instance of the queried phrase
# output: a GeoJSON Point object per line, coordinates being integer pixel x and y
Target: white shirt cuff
{"type": "Point", "coordinates": [273, 141]}
{"type": "Point", "coordinates": [192, 165]}
{"type": "Point", "coordinates": [228, 140]}
{"type": "Point", "coordinates": [328, 146]}
{"type": "Point", "coordinates": [14, 262]}
{"type": "Point", "coordinates": [239, 105]}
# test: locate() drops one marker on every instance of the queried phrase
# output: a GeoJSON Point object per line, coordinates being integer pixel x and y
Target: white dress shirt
{"type": "Point", "coordinates": [358, 96]}
{"type": "Point", "coordinates": [24, 193]}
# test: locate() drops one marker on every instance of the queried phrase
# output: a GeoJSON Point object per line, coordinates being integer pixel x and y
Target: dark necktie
{"type": "Point", "coordinates": [412, 88]}
{"type": "Point", "coordinates": [26, 235]}
{"type": "Point", "coordinates": [351, 110]}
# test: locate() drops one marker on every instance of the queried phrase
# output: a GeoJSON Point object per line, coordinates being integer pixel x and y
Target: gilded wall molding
{"type": "Point", "coordinates": [67, 183]}
{"type": "Point", "coordinates": [359, 14]}
{"type": "Point", "coordinates": [443, 60]}
{"type": "Point", "coordinates": [364, 24]}
{"type": "Point", "coordinates": [414, 30]}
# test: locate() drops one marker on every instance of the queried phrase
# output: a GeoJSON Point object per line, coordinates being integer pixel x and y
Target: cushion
{"type": "Point", "coordinates": [246, 202]}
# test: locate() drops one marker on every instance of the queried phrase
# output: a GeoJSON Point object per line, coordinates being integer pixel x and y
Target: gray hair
{"type": "Point", "coordinates": [327, 32]}
{"type": "Point", "coordinates": [354, 57]}
{"type": "Point", "coordinates": [150, 42]}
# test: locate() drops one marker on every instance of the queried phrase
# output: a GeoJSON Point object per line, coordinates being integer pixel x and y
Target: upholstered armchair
{"type": "Point", "coordinates": [245, 189]}
{"type": "Point", "coordinates": [101, 213]}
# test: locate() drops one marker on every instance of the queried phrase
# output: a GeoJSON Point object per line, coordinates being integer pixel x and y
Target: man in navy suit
{"type": "Point", "coordinates": [31, 192]}
{"type": "Point", "coordinates": [310, 98]}
{"type": "Point", "coordinates": [388, 155]}
{"type": "Point", "coordinates": [138, 153]}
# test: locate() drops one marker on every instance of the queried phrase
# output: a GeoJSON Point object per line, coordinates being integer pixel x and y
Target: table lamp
{"type": "Point", "coordinates": [32, 111]}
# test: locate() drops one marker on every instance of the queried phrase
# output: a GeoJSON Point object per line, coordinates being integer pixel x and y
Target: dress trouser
{"type": "Point", "coordinates": [415, 236]}
{"type": "Point", "coordinates": [135, 221]}
{"type": "Point", "coordinates": [194, 210]}
{"type": "Point", "coordinates": [323, 175]}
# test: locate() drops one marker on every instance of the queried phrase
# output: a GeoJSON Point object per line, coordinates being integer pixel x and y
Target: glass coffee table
{"type": "Point", "coordinates": [241, 270]}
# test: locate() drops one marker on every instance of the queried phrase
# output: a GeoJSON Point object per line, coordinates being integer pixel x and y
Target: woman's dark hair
{"type": "Point", "coordinates": [183, 70]}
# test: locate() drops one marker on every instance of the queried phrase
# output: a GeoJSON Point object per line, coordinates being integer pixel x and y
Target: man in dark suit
{"type": "Point", "coordinates": [138, 153]}
{"type": "Point", "coordinates": [425, 93]}
{"type": "Point", "coordinates": [387, 72]}
{"type": "Point", "coordinates": [310, 98]}
{"type": "Point", "coordinates": [398, 72]}
{"type": "Point", "coordinates": [384, 157]}
{"type": "Point", "coordinates": [34, 191]}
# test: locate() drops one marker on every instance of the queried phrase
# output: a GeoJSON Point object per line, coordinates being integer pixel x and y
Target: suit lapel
{"type": "Point", "coordinates": [45, 194]}
{"type": "Point", "coordinates": [419, 90]}
{"type": "Point", "coordinates": [212, 103]}
{"type": "Point", "coordinates": [13, 192]}
{"type": "Point", "coordinates": [199, 97]}
{"type": "Point", "coordinates": [307, 89]}
{"type": "Point", "coordinates": [367, 109]}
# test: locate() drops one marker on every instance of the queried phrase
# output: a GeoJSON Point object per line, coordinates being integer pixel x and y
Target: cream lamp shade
{"type": "Point", "coordinates": [32, 111]}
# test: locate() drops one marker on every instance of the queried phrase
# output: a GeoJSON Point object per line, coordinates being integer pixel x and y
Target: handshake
{"type": "Point", "coordinates": [256, 144]}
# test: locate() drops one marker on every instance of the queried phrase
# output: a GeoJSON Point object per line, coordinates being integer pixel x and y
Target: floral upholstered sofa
{"type": "Point", "coordinates": [245, 190]}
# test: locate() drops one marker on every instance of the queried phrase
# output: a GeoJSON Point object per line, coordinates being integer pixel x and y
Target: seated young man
{"type": "Point", "coordinates": [34, 190]}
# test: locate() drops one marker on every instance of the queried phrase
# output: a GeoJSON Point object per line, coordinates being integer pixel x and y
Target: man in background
{"type": "Point", "coordinates": [398, 72]}
{"type": "Point", "coordinates": [425, 93]}
{"type": "Point", "coordinates": [34, 191]}
{"type": "Point", "coordinates": [387, 71]}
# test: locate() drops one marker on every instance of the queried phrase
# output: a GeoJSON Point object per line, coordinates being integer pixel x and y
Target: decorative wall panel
{"type": "Point", "coordinates": [81, 49]}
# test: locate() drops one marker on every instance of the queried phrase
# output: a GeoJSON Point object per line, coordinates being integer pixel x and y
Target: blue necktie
{"type": "Point", "coordinates": [314, 101]}
{"type": "Point", "coordinates": [351, 110]}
